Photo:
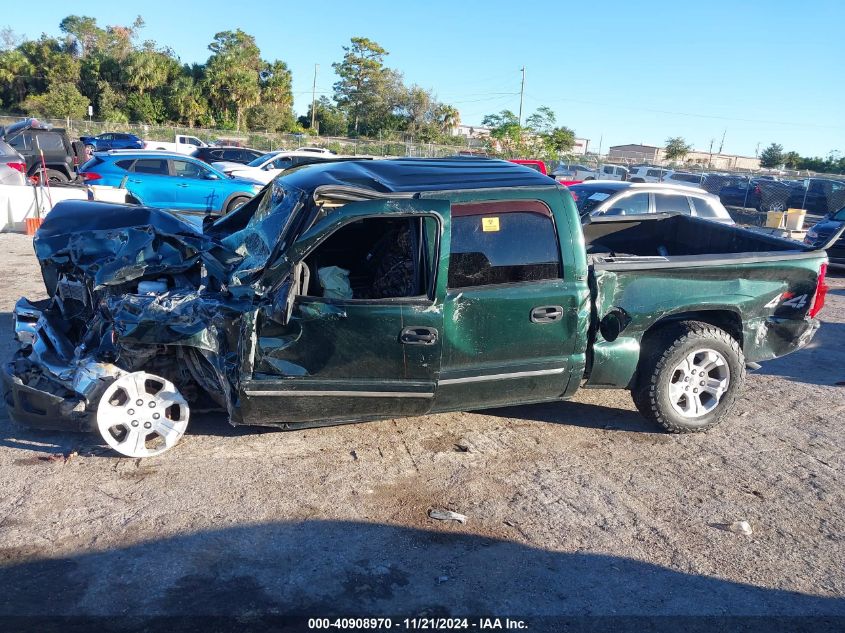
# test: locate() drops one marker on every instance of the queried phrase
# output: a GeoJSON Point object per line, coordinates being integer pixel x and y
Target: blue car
{"type": "Point", "coordinates": [111, 140]}
{"type": "Point", "coordinates": [169, 181]}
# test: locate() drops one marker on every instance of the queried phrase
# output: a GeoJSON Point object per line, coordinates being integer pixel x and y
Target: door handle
{"type": "Point", "coordinates": [546, 314]}
{"type": "Point", "coordinates": [182, 184]}
{"type": "Point", "coordinates": [135, 180]}
{"type": "Point", "coordinates": [418, 336]}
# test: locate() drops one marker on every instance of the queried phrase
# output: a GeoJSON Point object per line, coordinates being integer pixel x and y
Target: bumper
{"type": "Point", "coordinates": [773, 337]}
{"type": "Point", "coordinates": [48, 384]}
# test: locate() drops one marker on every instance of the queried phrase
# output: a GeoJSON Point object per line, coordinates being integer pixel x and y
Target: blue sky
{"type": "Point", "coordinates": [622, 72]}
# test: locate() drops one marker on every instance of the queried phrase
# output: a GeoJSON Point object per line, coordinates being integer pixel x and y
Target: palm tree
{"type": "Point", "coordinates": [15, 69]}
{"type": "Point", "coordinates": [145, 70]}
{"type": "Point", "coordinates": [448, 118]}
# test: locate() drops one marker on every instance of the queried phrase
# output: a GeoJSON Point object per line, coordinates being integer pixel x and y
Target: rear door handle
{"type": "Point", "coordinates": [546, 314]}
{"type": "Point", "coordinates": [415, 335]}
{"type": "Point", "coordinates": [182, 184]}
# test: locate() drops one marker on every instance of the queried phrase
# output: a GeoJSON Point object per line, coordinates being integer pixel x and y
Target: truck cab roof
{"type": "Point", "coordinates": [414, 175]}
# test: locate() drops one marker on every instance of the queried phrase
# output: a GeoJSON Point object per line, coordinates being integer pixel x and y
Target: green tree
{"type": "Point", "coordinates": [791, 160]}
{"type": "Point", "coordinates": [146, 108]}
{"type": "Point", "coordinates": [363, 79]}
{"type": "Point", "coordinates": [772, 156]}
{"type": "Point", "coordinates": [676, 148]}
{"type": "Point", "coordinates": [231, 74]}
{"type": "Point", "coordinates": [145, 70]}
{"type": "Point", "coordinates": [330, 119]}
{"type": "Point", "coordinates": [185, 101]}
{"type": "Point", "coordinates": [448, 118]}
{"type": "Point", "coordinates": [15, 73]}
{"type": "Point", "coordinates": [62, 100]}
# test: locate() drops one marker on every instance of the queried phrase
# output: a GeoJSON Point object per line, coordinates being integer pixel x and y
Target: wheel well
{"type": "Point", "coordinates": [727, 320]}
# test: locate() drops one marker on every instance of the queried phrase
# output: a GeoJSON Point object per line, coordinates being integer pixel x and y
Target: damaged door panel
{"type": "Point", "coordinates": [362, 343]}
{"type": "Point", "coordinates": [359, 290]}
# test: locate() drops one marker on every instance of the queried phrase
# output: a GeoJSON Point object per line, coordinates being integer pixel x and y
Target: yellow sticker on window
{"type": "Point", "coordinates": [489, 224]}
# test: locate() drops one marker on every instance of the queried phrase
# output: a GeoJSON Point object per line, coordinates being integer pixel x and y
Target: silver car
{"type": "Point", "coordinates": [12, 166]}
{"type": "Point", "coordinates": [600, 198]}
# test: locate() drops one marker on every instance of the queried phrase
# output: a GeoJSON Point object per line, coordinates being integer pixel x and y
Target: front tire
{"type": "Point", "coordinates": [234, 203]}
{"type": "Point", "coordinates": [690, 376]}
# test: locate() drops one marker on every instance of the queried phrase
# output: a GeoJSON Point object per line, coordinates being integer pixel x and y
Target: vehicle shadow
{"type": "Point", "coordinates": [820, 363]}
{"type": "Point", "coordinates": [578, 414]}
{"type": "Point", "coordinates": [341, 568]}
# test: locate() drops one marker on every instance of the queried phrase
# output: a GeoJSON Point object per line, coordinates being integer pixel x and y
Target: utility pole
{"type": "Point", "coordinates": [314, 97]}
{"type": "Point", "coordinates": [710, 160]}
{"type": "Point", "coordinates": [521, 95]}
{"type": "Point", "coordinates": [757, 150]}
{"type": "Point", "coordinates": [722, 144]}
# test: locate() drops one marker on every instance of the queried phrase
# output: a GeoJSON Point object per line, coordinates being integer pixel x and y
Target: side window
{"type": "Point", "coordinates": [280, 163]}
{"type": "Point", "coordinates": [498, 243]}
{"type": "Point", "coordinates": [703, 208]}
{"type": "Point", "coordinates": [106, 137]}
{"type": "Point", "coordinates": [652, 173]}
{"type": "Point", "coordinates": [217, 154]}
{"type": "Point", "coordinates": [50, 142]}
{"type": "Point", "coordinates": [125, 164]}
{"type": "Point", "coordinates": [607, 170]}
{"type": "Point", "coordinates": [635, 204]}
{"type": "Point", "coordinates": [156, 166]}
{"type": "Point", "coordinates": [20, 142]}
{"type": "Point", "coordinates": [187, 169]}
{"type": "Point", "coordinates": [669, 203]}
{"type": "Point", "coordinates": [375, 258]}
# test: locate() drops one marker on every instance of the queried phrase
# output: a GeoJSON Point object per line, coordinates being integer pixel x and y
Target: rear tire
{"type": "Point", "coordinates": [234, 203]}
{"type": "Point", "coordinates": [690, 376]}
{"type": "Point", "coordinates": [57, 177]}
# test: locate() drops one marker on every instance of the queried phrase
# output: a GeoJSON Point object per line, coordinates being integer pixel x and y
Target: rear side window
{"type": "Point", "coordinates": [664, 203]}
{"type": "Point", "coordinates": [125, 164]}
{"type": "Point", "coordinates": [216, 153]}
{"type": "Point", "coordinates": [502, 242]}
{"type": "Point", "coordinates": [150, 166]}
{"type": "Point", "coordinates": [51, 142]}
{"type": "Point", "coordinates": [653, 173]}
{"type": "Point", "coordinates": [19, 142]}
{"type": "Point", "coordinates": [703, 208]}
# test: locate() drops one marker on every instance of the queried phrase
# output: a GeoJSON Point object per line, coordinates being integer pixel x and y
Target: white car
{"type": "Point", "coordinates": [314, 150]}
{"type": "Point", "coordinates": [266, 167]}
{"type": "Point", "coordinates": [647, 173]}
{"type": "Point", "coordinates": [602, 198]}
{"type": "Point", "coordinates": [580, 172]}
{"type": "Point", "coordinates": [182, 144]}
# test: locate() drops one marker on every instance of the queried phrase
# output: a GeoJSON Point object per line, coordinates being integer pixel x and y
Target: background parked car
{"type": "Point", "coordinates": [111, 140]}
{"type": "Point", "coordinates": [611, 172]}
{"type": "Point", "coordinates": [574, 172]}
{"type": "Point", "coordinates": [266, 167]}
{"type": "Point", "coordinates": [12, 166]}
{"type": "Point", "coordinates": [30, 136]}
{"type": "Point", "coordinates": [647, 174]}
{"type": "Point", "coordinates": [230, 154]}
{"type": "Point", "coordinates": [169, 180]}
{"type": "Point", "coordinates": [181, 144]}
{"type": "Point", "coordinates": [820, 233]}
{"type": "Point", "coordinates": [684, 179]}
{"type": "Point", "coordinates": [599, 198]}
{"type": "Point", "coordinates": [536, 165]}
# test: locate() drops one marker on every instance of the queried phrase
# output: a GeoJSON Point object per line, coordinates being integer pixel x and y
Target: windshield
{"type": "Point", "coordinates": [839, 216]}
{"type": "Point", "coordinates": [588, 197]}
{"type": "Point", "coordinates": [258, 162]}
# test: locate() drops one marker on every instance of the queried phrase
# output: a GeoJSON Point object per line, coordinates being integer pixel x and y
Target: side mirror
{"type": "Point", "coordinates": [211, 176]}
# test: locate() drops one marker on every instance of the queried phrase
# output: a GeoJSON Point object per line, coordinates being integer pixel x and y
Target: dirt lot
{"type": "Point", "coordinates": [576, 508]}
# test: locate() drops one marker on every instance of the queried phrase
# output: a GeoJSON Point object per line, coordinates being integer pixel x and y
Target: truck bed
{"type": "Point", "coordinates": [658, 240]}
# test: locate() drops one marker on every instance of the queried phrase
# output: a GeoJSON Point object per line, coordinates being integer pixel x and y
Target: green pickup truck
{"type": "Point", "coordinates": [363, 290]}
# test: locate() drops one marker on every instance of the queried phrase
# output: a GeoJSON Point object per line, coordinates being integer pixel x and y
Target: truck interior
{"type": "Point", "coordinates": [374, 258]}
{"type": "Point", "coordinates": [675, 235]}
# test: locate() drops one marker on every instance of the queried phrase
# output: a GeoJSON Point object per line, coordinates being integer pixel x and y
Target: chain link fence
{"type": "Point", "coordinates": [269, 141]}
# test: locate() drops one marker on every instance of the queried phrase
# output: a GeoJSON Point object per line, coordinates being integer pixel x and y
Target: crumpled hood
{"type": "Point", "coordinates": [115, 243]}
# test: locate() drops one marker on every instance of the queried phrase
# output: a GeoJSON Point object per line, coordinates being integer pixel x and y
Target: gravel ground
{"type": "Point", "coordinates": [577, 508]}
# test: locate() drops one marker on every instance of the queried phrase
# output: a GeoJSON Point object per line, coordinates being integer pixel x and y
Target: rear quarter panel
{"type": "Point", "coordinates": [768, 299]}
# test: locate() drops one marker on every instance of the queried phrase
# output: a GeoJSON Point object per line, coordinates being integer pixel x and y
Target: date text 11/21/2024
{"type": "Point", "coordinates": [412, 624]}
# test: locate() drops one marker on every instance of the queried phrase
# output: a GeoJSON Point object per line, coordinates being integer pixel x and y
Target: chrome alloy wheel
{"type": "Point", "coordinates": [698, 383]}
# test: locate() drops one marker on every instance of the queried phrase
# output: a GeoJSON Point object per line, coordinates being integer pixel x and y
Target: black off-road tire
{"type": "Point", "coordinates": [662, 351]}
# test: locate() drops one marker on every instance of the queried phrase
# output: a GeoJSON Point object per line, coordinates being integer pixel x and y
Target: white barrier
{"type": "Point", "coordinates": [20, 202]}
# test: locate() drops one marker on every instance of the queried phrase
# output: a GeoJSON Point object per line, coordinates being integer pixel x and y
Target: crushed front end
{"type": "Point", "coordinates": [130, 289]}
